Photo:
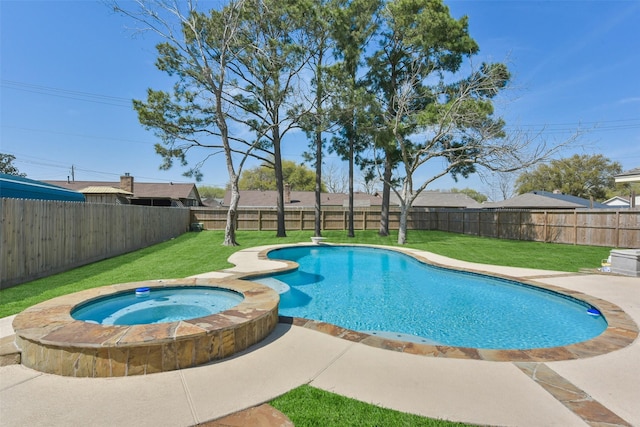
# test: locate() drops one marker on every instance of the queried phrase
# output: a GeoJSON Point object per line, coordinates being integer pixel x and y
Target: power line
{"type": "Point", "coordinates": [69, 94]}
{"type": "Point", "coordinates": [78, 135]}
{"type": "Point", "coordinates": [31, 160]}
{"type": "Point", "coordinates": [126, 102]}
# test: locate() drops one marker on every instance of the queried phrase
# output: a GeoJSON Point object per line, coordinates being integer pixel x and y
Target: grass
{"type": "Point", "coordinates": [330, 409]}
{"type": "Point", "coordinates": [194, 253]}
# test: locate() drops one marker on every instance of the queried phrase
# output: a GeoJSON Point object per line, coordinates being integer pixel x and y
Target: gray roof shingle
{"type": "Point", "coordinates": [545, 200]}
{"type": "Point", "coordinates": [141, 190]}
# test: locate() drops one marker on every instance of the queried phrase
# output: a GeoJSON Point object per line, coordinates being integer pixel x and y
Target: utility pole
{"type": "Point", "coordinates": [73, 174]}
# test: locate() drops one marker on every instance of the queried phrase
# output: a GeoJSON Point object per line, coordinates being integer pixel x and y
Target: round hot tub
{"type": "Point", "coordinates": [53, 341]}
{"type": "Point", "coordinates": [148, 305]}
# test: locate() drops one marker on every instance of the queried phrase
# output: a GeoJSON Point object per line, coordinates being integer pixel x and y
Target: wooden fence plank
{"type": "Point", "coordinates": [41, 237]}
{"type": "Point", "coordinates": [597, 227]}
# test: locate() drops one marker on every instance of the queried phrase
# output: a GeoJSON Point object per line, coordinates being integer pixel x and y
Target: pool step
{"type": "Point", "coordinates": [10, 354]}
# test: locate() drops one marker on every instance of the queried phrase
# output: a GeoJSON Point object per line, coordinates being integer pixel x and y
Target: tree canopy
{"type": "Point", "coordinates": [7, 167]}
{"type": "Point", "coordinates": [475, 195]}
{"type": "Point", "coordinates": [263, 177]}
{"type": "Point", "coordinates": [579, 175]}
{"type": "Point", "coordinates": [209, 191]}
{"type": "Point", "coordinates": [389, 85]}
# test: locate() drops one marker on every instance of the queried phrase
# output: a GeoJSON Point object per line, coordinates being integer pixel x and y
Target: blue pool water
{"type": "Point", "coordinates": [157, 305]}
{"type": "Point", "coordinates": [391, 294]}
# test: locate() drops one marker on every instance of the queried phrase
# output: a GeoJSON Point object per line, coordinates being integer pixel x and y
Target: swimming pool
{"type": "Point", "coordinates": [391, 294]}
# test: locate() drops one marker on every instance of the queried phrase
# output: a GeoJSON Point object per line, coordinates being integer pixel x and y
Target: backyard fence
{"type": "Point", "coordinates": [39, 238]}
{"type": "Point", "coordinates": [42, 237]}
{"type": "Point", "coordinates": [595, 227]}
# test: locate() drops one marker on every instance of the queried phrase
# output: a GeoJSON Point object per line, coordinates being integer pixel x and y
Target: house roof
{"type": "Point", "coordinates": [632, 175]}
{"type": "Point", "coordinates": [94, 189]}
{"type": "Point", "coordinates": [621, 201]}
{"type": "Point", "coordinates": [141, 190]}
{"type": "Point", "coordinates": [439, 199]}
{"type": "Point", "coordinates": [545, 200]}
{"type": "Point", "coordinates": [258, 198]}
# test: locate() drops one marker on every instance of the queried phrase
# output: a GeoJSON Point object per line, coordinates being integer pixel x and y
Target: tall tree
{"type": "Point", "coordinates": [197, 49]}
{"type": "Point", "coordinates": [270, 59]}
{"type": "Point", "coordinates": [355, 24]}
{"type": "Point", "coordinates": [419, 39]}
{"type": "Point", "coordinates": [238, 69]}
{"type": "Point", "coordinates": [579, 175]}
{"type": "Point", "coordinates": [318, 120]}
{"type": "Point", "coordinates": [430, 112]}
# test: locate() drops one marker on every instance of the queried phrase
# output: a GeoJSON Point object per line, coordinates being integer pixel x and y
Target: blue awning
{"type": "Point", "coordinates": [17, 187]}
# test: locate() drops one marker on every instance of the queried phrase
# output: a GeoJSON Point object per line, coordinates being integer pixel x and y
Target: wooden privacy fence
{"type": "Point", "coordinates": [595, 227]}
{"type": "Point", "coordinates": [42, 237]}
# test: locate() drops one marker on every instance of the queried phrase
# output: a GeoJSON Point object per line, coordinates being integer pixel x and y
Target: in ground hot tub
{"type": "Point", "coordinates": [146, 305]}
{"type": "Point", "coordinates": [53, 341]}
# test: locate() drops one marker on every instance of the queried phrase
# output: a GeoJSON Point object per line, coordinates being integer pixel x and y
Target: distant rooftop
{"type": "Point", "coordinates": [632, 175]}
{"type": "Point", "coordinates": [546, 200]}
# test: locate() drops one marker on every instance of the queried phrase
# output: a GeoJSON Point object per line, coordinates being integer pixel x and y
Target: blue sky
{"type": "Point", "coordinates": [69, 70]}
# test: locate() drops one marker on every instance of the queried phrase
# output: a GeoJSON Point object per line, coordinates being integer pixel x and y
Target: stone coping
{"type": "Point", "coordinates": [52, 341]}
{"type": "Point", "coordinates": [620, 333]}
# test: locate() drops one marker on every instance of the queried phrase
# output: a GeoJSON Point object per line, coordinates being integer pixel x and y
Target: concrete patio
{"type": "Point", "coordinates": [601, 390]}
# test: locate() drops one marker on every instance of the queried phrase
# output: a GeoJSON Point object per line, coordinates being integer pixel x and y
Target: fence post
{"type": "Point", "coordinates": [519, 225]}
{"type": "Point", "coordinates": [617, 229]}
{"type": "Point", "coordinates": [575, 227]}
{"type": "Point", "coordinates": [544, 229]}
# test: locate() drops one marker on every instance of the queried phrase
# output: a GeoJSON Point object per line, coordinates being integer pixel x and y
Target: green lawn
{"type": "Point", "coordinates": [194, 253]}
{"type": "Point", "coordinates": [330, 409]}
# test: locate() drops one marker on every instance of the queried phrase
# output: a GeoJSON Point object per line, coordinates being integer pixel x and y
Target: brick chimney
{"type": "Point", "coordinates": [287, 193]}
{"type": "Point", "coordinates": [126, 182]}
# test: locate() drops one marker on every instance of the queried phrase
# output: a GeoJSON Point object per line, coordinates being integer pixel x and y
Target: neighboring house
{"type": "Point", "coordinates": [18, 187]}
{"type": "Point", "coordinates": [545, 200]}
{"type": "Point", "coordinates": [621, 202]}
{"type": "Point", "coordinates": [140, 193]}
{"type": "Point", "coordinates": [439, 199]}
{"type": "Point", "coordinates": [105, 194]}
{"type": "Point", "coordinates": [307, 199]}
{"type": "Point", "coordinates": [212, 202]}
{"type": "Point", "coordinates": [632, 175]}
{"type": "Point", "coordinates": [299, 199]}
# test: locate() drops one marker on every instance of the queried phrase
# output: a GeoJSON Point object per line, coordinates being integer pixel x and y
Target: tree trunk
{"type": "Point", "coordinates": [318, 204]}
{"type": "Point", "coordinates": [230, 228]}
{"type": "Point", "coordinates": [402, 231]}
{"type": "Point", "coordinates": [280, 208]}
{"type": "Point", "coordinates": [351, 232]}
{"type": "Point", "coordinates": [386, 193]}
{"type": "Point", "coordinates": [406, 200]}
